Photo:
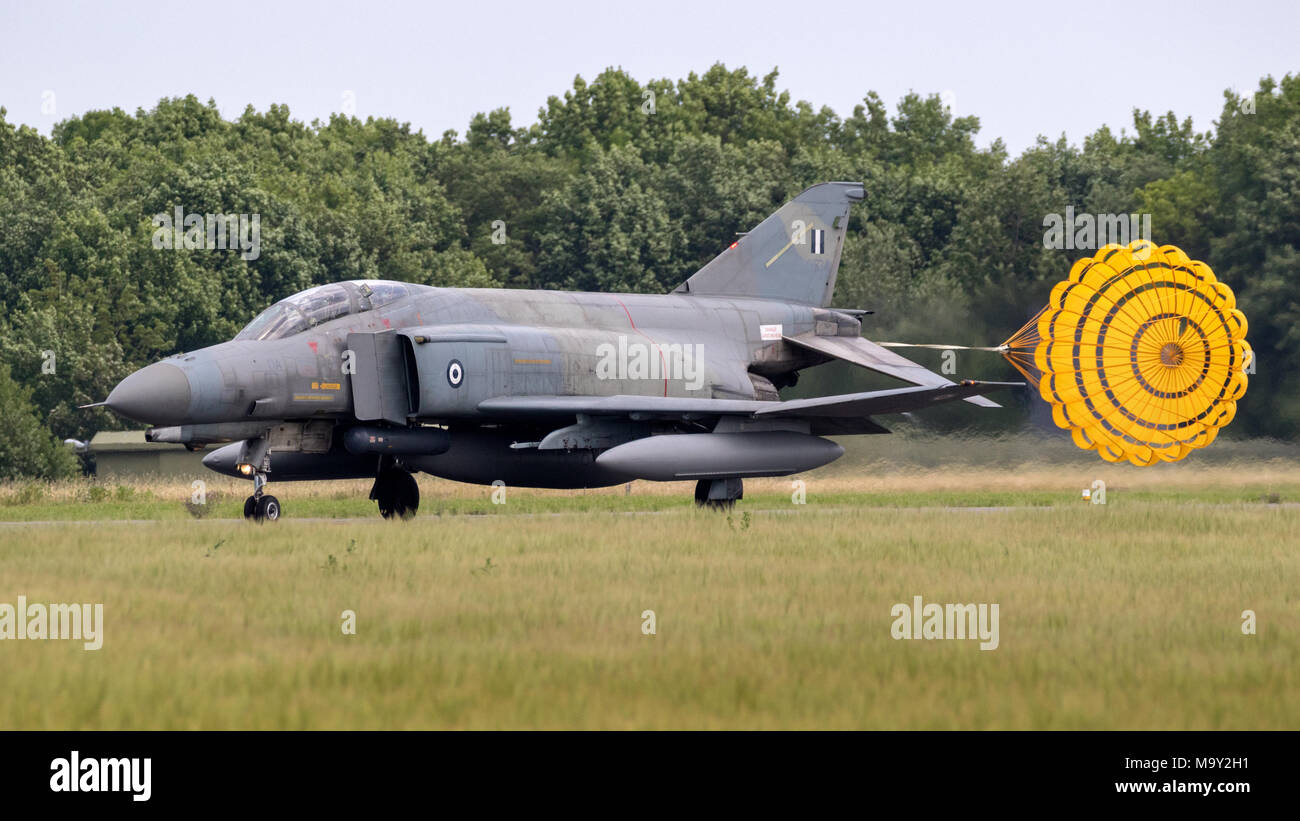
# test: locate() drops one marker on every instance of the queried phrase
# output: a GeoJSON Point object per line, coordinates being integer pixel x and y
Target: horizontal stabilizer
{"type": "Point", "coordinates": [872, 403]}
{"type": "Point", "coordinates": [869, 355]}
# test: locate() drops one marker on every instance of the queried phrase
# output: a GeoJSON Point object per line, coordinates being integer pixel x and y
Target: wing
{"type": "Point", "coordinates": [869, 355]}
{"type": "Point", "coordinates": [842, 414]}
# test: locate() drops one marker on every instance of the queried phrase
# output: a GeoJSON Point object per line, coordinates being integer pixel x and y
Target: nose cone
{"type": "Point", "coordinates": [158, 394]}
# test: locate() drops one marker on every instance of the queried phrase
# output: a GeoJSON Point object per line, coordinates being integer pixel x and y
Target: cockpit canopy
{"type": "Point", "coordinates": [311, 307]}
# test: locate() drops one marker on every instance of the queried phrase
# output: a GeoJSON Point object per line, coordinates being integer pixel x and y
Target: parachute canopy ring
{"type": "Point", "coordinates": [1142, 353]}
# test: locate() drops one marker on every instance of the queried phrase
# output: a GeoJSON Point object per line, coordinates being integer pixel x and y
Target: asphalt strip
{"type": "Point", "coordinates": [559, 514]}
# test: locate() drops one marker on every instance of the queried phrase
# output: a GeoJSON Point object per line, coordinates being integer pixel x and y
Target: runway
{"type": "Point", "coordinates": [628, 513]}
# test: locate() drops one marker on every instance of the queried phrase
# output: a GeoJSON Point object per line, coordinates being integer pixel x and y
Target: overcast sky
{"type": "Point", "coordinates": [1023, 68]}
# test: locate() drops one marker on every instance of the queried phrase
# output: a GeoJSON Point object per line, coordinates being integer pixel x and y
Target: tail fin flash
{"type": "Point", "coordinates": [792, 255]}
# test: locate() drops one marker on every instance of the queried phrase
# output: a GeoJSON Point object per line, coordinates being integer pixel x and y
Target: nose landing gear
{"type": "Point", "coordinates": [256, 454]}
{"type": "Point", "coordinates": [261, 507]}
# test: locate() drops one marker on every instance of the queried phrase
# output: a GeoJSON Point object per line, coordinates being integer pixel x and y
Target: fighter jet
{"type": "Point", "coordinates": [380, 379]}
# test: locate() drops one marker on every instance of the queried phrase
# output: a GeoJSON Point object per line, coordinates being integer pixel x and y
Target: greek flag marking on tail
{"type": "Point", "coordinates": [762, 264]}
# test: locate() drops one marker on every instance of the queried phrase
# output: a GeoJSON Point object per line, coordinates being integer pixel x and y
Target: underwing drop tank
{"type": "Point", "coordinates": [697, 456]}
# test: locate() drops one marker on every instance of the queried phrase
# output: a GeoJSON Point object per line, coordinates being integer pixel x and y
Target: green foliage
{"type": "Point", "coordinates": [27, 449]}
{"type": "Point", "coordinates": [619, 186]}
{"type": "Point", "coordinates": [1254, 240]}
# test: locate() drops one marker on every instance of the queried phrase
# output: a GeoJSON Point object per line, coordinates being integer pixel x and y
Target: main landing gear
{"type": "Point", "coordinates": [261, 507]}
{"type": "Point", "coordinates": [396, 492]}
{"type": "Point", "coordinates": [719, 494]}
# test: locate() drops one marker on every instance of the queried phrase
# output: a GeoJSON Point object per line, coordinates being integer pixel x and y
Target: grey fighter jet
{"type": "Point", "coordinates": [378, 379]}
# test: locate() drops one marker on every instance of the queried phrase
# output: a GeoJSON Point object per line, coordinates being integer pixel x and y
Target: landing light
{"type": "Point", "coordinates": [246, 469]}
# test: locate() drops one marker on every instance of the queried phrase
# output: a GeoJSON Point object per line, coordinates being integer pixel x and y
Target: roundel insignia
{"type": "Point", "coordinates": [455, 373]}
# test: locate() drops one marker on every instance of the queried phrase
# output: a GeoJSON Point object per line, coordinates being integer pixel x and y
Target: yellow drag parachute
{"type": "Point", "coordinates": [1141, 353]}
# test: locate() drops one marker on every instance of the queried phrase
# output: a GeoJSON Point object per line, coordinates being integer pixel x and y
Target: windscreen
{"type": "Point", "coordinates": [276, 322]}
{"type": "Point", "coordinates": [313, 306]}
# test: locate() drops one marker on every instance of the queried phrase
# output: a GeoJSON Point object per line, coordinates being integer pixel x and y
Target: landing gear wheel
{"type": "Point", "coordinates": [718, 494]}
{"type": "Point", "coordinates": [701, 493]}
{"type": "Point", "coordinates": [397, 493]}
{"type": "Point", "coordinates": [260, 507]}
{"type": "Point", "coordinates": [267, 509]}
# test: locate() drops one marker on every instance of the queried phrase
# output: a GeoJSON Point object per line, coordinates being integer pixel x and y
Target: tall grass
{"type": "Point", "coordinates": [1126, 615]}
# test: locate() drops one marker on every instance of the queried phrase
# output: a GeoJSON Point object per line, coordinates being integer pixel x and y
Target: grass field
{"type": "Point", "coordinates": [529, 614]}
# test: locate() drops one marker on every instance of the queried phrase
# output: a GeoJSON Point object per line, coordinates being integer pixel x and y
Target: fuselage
{"type": "Point", "coordinates": [326, 361]}
{"type": "Point", "coordinates": [505, 342]}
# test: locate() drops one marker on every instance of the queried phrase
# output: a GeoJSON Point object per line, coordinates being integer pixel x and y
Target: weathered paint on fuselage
{"type": "Point", "coordinates": [552, 346]}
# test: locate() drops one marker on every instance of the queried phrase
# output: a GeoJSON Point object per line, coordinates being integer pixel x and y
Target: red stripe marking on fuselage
{"type": "Point", "coordinates": [662, 361]}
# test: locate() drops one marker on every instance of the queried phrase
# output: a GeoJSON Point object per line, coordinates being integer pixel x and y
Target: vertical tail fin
{"type": "Point", "coordinates": [792, 255]}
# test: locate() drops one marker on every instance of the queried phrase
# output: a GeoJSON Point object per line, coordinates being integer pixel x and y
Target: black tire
{"type": "Point", "coordinates": [268, 509]}
{"type": "Point", "coordinates": [702, 497]}
{"type": "Point", "coordinates": [250, 507]}
{"type": "Point", "coordinates": [397, 493]}
{"type": "Point", "coordinates": [382, 492]}
{"type": "Point", "coordinates": [408, 495]}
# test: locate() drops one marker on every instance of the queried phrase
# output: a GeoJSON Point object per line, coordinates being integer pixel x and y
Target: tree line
{"type": "Point", "coordinates": [618, 186]}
